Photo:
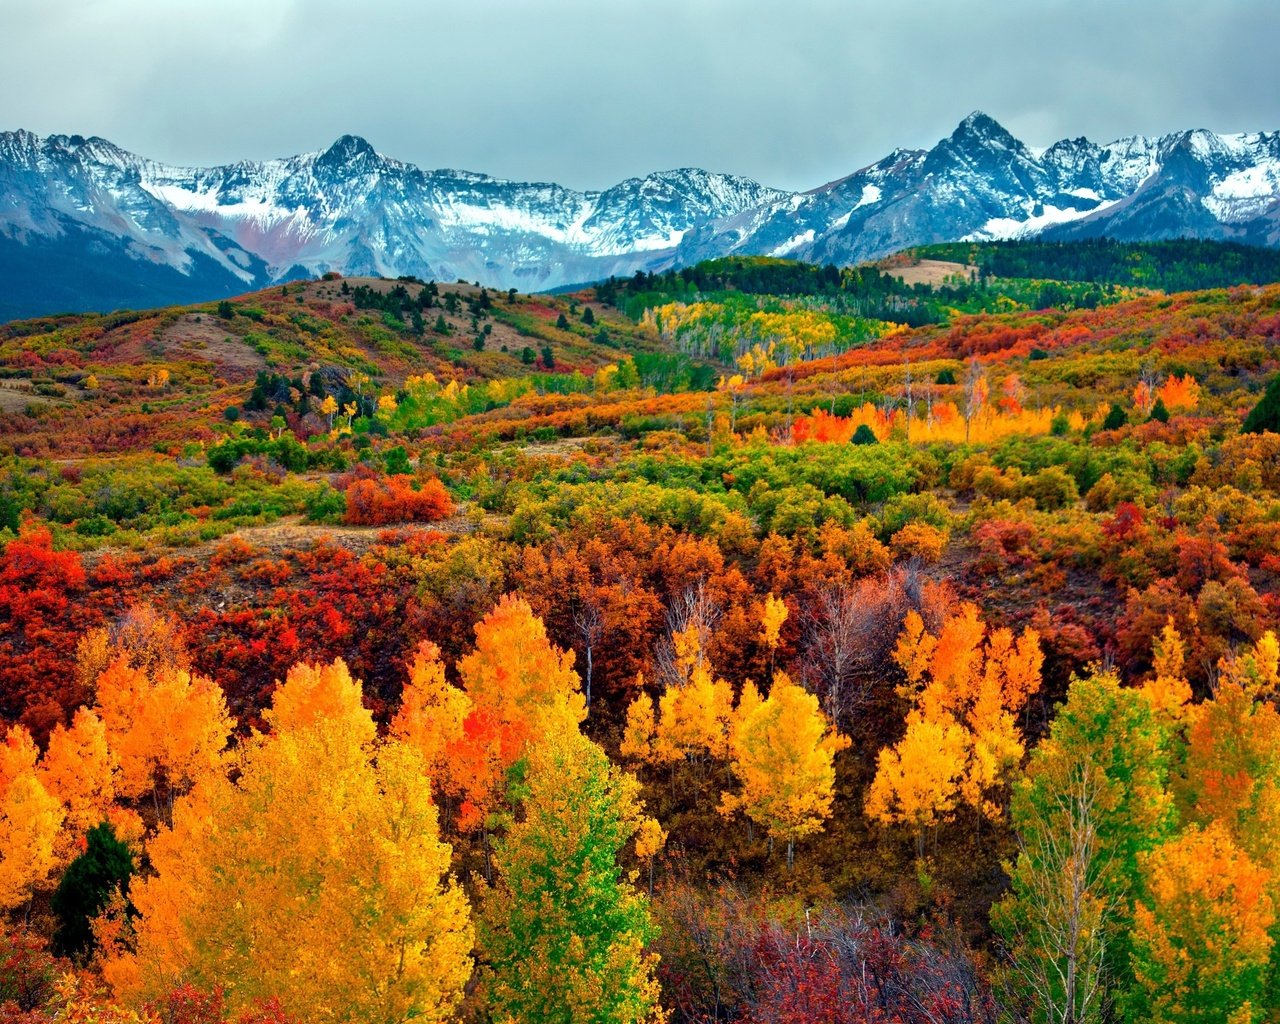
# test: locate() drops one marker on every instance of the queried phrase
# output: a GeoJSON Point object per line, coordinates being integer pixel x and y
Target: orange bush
{"type": "Point", "coordinates": [377, 502]}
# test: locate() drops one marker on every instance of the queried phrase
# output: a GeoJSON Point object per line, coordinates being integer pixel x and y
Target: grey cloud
{"type": "Point", "coordinates": [793, 94]}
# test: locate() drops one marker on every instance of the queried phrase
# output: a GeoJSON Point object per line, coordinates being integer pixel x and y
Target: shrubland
{"type": "Point", "coordinates": [754, 642]}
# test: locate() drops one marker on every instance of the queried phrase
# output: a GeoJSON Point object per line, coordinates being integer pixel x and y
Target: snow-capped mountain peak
{"type": "Point", "coordinates": [983, 183]}
{"type": "Point", "coordinates": [149, 232]}
{"type": "Point", "coordinates": [348, 207]}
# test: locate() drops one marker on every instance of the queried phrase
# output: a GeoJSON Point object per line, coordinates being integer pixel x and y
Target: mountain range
{"type": "Point", "coordinates": [86, 225]}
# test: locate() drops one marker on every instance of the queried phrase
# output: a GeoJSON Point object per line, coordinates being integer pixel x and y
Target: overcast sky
{"type": "Point", "coordinates": [791, 93]}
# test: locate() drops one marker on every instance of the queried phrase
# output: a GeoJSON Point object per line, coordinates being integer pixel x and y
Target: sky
{"type": "Point", "coordinates": [792, 93]}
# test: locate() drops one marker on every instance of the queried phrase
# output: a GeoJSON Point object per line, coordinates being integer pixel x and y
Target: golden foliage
{"type": "Point", "coordinates": [432, 711]}
{"type": "Point", "coordinates": [783, 751]}
{"type": "Point", "coordinates": [967, 689]}
{"type": "Point", "coordinates": [1202, 933]}
{"type": "Point", "coordinates": [316, 877]}
{"type": "Point", "coordinates": [166, 732]}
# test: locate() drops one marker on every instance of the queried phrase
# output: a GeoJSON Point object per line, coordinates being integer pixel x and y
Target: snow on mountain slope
{"type": "Point", "coordinates": [159, 231]}
{"type": "Point", "coordinates": [981, 183]}
{"type": "Point", "coordinates": [349, 208]}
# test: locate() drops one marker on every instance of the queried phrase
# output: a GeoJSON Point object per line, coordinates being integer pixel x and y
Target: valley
{"type": "Point", "coordinates": [735, 484]}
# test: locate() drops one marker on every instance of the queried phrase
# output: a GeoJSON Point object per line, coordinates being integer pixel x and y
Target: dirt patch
{"type": "Point", "coordinates": [930, 272]}
{"type": "Point", "coordinates": [202, 338]}
{"type": "Point", "coordinates": [293, 533]}
{"type": "Point", "coordinates": [560, 446]}
{"type": "Point", "coordinates": [18, 395]}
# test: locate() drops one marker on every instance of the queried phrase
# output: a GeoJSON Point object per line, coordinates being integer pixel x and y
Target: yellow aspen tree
{"type": "Point", "coordinates": [315, 876]}
{"type": "Point", "coordinates": [521, 687]}
{"type": "Point", "coordinates": [784, 761]}
{"type": "Point", "coordinates": [165, 732]}
{"type": "Point", "coordinates": [1168, 690]}
{"type": "Point", "coordinates": [30, 821]}
{"type": "Point", "coordinates": [1202, 932]}
{"type": "Point", "coordinates": [966, 687]}
{"type": "Point", "coordinates": [516, 673]}
{"type": "Point", "coordinates": [151, 642]}
{"type": "Point", "coordinates": [913, 652]}
{"type": "Point", "coordinates": [772, 615]}
{"type": "Point", "coordinates": [1232, 772]}
{"type": "Point", "coordinates": [749, 699]}
{"type": "Point", "coordinates": [1257, 670]}
{"type": "Point", "coordinates": [638, 736]}
{"type": "Point", "coordinates": [314, 693]}
{"type": "Point", "coordinates": [689, 652]}
{"type": "Point", "coordinates": [78, 769]}
{"type": "Point", "coordinates": [329, 408]}
{"type": "Point", "coordinates": [917, 781]}
{"type": "Point", "coordinates": [694, 719]}
{"type": "Point", "coordinates": [1011, 673]}
{"type": "Point", "coordinates": [651, 838]}
{"type": "Point", "coordinates": [432, 711]}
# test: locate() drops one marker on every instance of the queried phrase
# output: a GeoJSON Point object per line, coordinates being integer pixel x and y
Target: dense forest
{"type": "Point", "coordinates": [1178, 265]}
{"type": "Point", "coordinates": [757, 642]}
{"type": "Point", "coordinates": [984, 277]}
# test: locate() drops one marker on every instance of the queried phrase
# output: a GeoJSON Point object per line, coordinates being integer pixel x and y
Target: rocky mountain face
{"type": "Point", "coordinates": [981, 183]}
{"type": "Point", "coordinates": [85, 224]}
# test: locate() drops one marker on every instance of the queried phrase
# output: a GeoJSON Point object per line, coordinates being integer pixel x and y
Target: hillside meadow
{"type": "Point", "coordinates": [756, 642]}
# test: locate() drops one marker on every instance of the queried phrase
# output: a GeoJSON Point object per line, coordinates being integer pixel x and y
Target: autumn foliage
{"type": "Point", "coordinates": [852, 652]}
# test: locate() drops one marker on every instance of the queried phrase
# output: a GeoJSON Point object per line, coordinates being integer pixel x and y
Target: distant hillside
{"type": "Point", "coordinates": [962, 277]}
{"type": "Point", "coordinates": [1182, 265]}
{"type": "Point", "coordinates": [126, 380]}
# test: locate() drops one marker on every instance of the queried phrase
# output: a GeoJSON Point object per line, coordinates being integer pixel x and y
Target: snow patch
{"type": "Point", "coordinates": [793, 243]}
{"type": "Point", "coordinates": [1001, 228]}
{"type": "Point", "coordinates": [870, 194]}
{"type": "Point", "coordinates": [1246, 193]}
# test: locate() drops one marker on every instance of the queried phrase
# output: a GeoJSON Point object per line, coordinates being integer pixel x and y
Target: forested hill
{"type": "Point", "coordinates": [1181, 265]}
{"type": "Point", "coordinates": [930, 284]}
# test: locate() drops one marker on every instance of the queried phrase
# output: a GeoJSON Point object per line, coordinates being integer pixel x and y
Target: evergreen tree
{"type": "Point", "coordinates": [1116, 418]}
{"type": "Point", "coordinates": [1265, 416]}
{"type": "Point", "coordinates": [88, 883]}
{"type": "Point", "coordinates": [588, 317]}
{"type": "Point", "coordinates": [864, 435]}
{"type": "Point", "coordinates": [1159, 412]}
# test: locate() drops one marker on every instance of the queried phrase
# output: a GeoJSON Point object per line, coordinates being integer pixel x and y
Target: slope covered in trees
{"type": "Point", "coordinates": [744, 658]}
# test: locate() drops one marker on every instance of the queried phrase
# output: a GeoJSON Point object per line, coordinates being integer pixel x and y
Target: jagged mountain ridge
{"type": "Point", "coordinates": [981, 183]}
{"type": "Point", "coordinates": [85, 224]}
{"type": "Point", "coordinates": [230, 228]}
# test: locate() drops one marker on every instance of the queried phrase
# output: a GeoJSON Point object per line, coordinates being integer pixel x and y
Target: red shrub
{"type": "Point", "coordinates": [392, 499]}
